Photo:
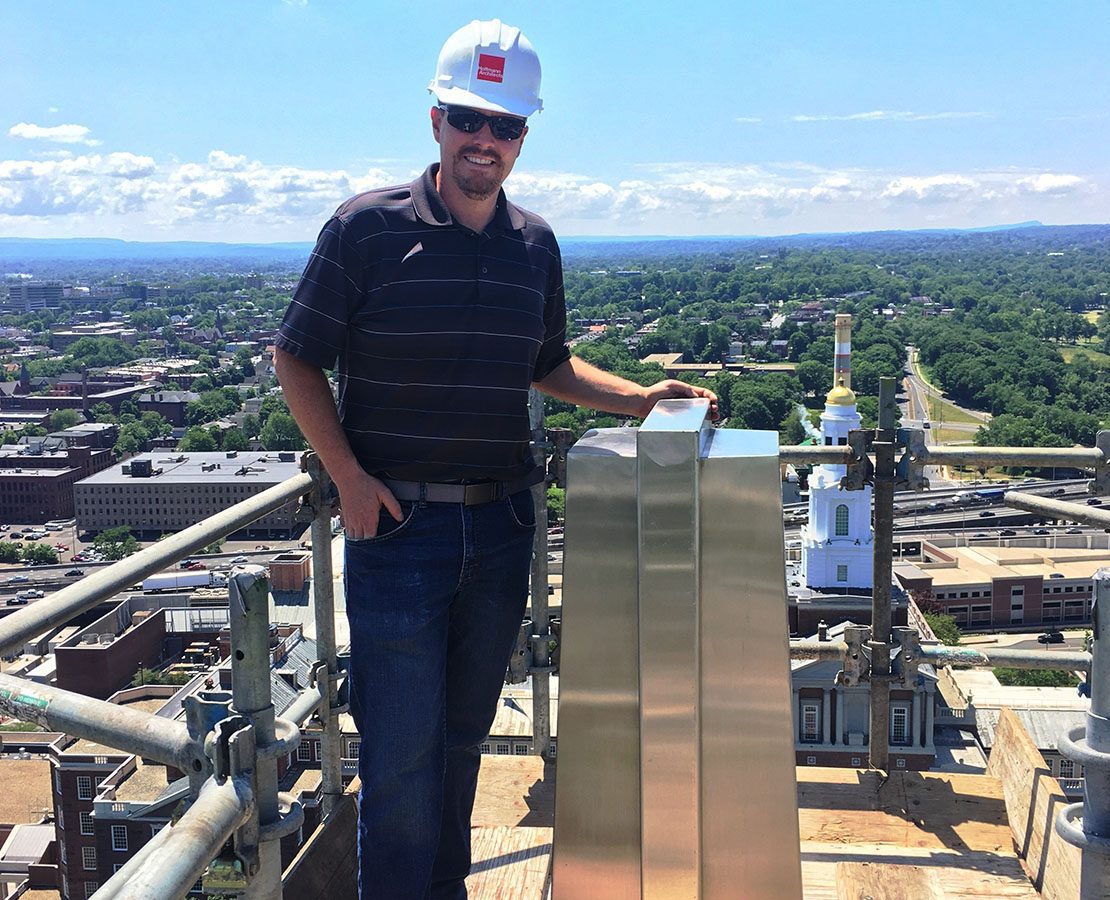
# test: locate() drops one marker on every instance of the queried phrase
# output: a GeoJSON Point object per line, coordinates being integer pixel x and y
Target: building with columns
{"type": "Point", "coordinates": [832, 723]}
{"type": "Point", "coordinates": [837, 549]}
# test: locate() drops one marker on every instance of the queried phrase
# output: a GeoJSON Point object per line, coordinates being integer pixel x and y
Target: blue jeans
{"type": "Point", "coordinates": [435, 604]}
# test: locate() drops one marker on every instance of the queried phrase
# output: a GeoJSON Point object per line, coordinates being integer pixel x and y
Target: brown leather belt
{"type": "Point", "coordinates": [466, 494]}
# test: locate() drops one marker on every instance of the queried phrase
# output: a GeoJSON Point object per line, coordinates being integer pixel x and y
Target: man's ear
{"type": "Point", "coordinates": [437, 121]}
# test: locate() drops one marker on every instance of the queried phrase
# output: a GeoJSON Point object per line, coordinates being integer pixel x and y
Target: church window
{"type": "Point", "coordinates": [842, 573]}
{"type": "Point", "coordinates": [842, 520]}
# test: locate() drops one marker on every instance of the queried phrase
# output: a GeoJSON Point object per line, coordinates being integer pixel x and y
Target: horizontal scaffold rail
{"type": "Point", "coordinates": [71, 601]}
{"type": "Point", "coordinates": [943, 655]}
{"type": "Point", "coordinates": [983, 457]}
{"type": "Point", "coordinates": [1059, 509]}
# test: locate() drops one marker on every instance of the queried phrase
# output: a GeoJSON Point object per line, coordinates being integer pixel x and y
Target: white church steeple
{"type": "Point", "coordinates": [837, 540]}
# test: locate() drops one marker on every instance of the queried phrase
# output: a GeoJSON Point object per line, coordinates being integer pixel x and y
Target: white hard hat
{"type": "Point", "coordinates": [489, 66]}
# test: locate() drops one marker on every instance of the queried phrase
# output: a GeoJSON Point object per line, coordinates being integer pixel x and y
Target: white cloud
{"type": "Point", "coordinates": [51, 109]}
{"type": "Point", "coordinates": [59, 134]}
{"type": "Point", "coordinates": [886, 115]}
{"type": "Point", "coordinates": [748, 120]}
{"type": "Point", "coordinates": [228, 196]}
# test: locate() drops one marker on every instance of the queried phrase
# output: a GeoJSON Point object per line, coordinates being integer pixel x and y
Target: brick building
{"type": "Point", "coordinates": [36, 484]}
{"type": "Point", "coordinates": [1002, 587]}
{"type": "Point", "coordinates": [159, 492]}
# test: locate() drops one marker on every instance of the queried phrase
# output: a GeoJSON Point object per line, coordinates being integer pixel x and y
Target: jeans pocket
{"type": "Point", "coordinates": [387, 525]}
{"type": "Point", "coordinates": [522, 509]}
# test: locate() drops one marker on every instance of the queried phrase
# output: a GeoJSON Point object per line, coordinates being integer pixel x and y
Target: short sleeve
{"type": "Point", "coordinates": [554, 351]}
{"type": "Point", "coordinates": [315, 325]}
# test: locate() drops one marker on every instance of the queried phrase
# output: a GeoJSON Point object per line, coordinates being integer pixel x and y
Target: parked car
{"type": "Point", "coordinates": [262, 547]}
{"type": "Point", "coordinates": [1051, 637]}
{"type": "Point", "coordinates": [16, 535]}
{"type": "Point", "coordinates": [75, 573]}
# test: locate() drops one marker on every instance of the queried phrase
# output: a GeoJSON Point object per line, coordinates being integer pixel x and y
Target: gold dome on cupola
{"type": "Point", "coordinates": [840, 396]}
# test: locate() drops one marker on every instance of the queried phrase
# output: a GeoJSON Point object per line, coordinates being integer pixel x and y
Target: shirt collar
{"type": "Point", "coordinates": [431, 209]}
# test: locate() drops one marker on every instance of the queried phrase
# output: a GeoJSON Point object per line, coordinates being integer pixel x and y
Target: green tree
{"type": "Point", "coordinates": [281, 433]}
{"type": "Point", "coordinates": [64, 418]}
{"type": "Point", "coordinates": [116, 543]}
{"type": "Point", "coordinates": [197, 440]}
{"type": "Point", "coordinates": [1036, 677]}
{"type": "Point", "coordinates": [234, 439]}
{"type": "Point", "coordinates": [39, 554]}
{"type": "Point", "coordinates": [944, 627]}
{"type": "Point", "coordinates": [556, 504]}
{"type": "Point", "coordinates": [10, 553]}
{"type": "Point", "coordinates": [251, 425]}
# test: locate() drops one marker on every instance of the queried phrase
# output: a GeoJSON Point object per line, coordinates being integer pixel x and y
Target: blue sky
{"type": "Point", "coordinates": [252, 120]}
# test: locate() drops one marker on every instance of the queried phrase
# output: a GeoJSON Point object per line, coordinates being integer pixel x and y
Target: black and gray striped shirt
{"type": "Point", "coordinates": [438, 331]}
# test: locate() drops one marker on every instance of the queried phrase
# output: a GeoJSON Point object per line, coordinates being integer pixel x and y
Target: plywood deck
{"type": "Point", "coordinates": [930, 834]}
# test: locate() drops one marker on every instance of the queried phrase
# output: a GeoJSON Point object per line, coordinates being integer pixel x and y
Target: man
{"type": "Point", "coordinates": [443, 303]}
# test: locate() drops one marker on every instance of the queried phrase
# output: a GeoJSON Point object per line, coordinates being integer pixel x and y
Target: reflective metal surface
{"type": "Point", "coordinates": [597, 803]}
{"type": "Point", "coordinates": [676, 762]}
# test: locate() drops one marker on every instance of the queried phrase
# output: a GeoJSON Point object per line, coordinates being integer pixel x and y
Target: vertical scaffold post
{"type": "Point", "coordinates": [884, 447]}
{"type": "Point", "coordinates": [541, 631]}
{"type": "Point", "coordinates": [250, 684]}
{"type": "Point", "coordinates": [323, 598]}
{"type": "Point", "coordinates": [1087, 824]}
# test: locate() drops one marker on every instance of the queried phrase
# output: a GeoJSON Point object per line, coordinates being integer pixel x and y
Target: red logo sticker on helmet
{"type": "Point", "coordinates": [491, 68]}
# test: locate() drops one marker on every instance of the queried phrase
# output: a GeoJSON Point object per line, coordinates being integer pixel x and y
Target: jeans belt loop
{"type": "Point", "coordinates": [423, 501]}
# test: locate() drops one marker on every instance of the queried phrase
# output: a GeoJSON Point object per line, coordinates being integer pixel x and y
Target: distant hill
{"type": "Point", "coordinates": [33, 255]}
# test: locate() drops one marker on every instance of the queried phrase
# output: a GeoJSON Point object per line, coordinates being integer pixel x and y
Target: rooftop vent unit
{"type": "Point", "coordinates": [287, 456]}
{"type": "Point", "coordinates": [232, 454]}
{"type": "Point", "coordinates": [207, 467]}
{"type": "Point", "coordinates": [141, 468]}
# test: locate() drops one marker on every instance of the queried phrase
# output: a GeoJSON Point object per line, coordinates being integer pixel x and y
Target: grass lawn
{"type": "Point", "coordinates": [943, 411]}
{"type": "Point", "coordinates": [1095, 356]}
{"type": "Point", "coordinates": [952, 436]}
{"type": "Point", "coordinates": [1092, 316]}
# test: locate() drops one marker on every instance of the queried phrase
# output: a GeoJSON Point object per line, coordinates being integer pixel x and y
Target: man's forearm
{"type": "Point", "coordinates": [577, 381]}
{"type": "Point", "coordinates": [310, 400]}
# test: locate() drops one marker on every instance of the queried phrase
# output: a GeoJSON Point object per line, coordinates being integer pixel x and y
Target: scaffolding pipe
{"type": "Point", "coordinates": [884, 446]}
{"type": "Point", "coordinates": [987, 457]}
{"type": "Point", "coordinates": [323, 598]}
{"type": "Point", "coordinates": [983, 657]}
{"type": "Point", "coordinates": [192, 843]}
{"type": "Point", "coordinates": [309, 701]}
{"type": "Point", "coordinates": [541, 629]}
{"type": "Point", "coordinates": [805, 455]}
{"type": "Point", "coordinates": [250, 685]}
{"type": "Point", "coordinates": [105, 723]}
{"type": "Point", "coordinates": [71, 601]}
{"type": "Point", "coordinates": [1087, 824]}
{"type": "Point", "coordinates": [810, 649]}
{"type": "Point", "coordinates": [120, 878]}
{"type": "Point", "coordinates": [1059, 509]}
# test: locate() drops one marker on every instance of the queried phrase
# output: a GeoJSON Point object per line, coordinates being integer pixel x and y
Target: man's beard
{"type": "Point", "coordinates": [475, 183]}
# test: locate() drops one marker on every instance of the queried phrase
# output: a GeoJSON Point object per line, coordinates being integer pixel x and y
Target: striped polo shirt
{"type": "Point", "coordinates": [438, 331]}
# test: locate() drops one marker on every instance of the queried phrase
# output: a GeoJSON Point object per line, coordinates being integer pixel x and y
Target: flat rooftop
{"type": "Point", "coordinates": [201, 468]}
{"type": "Point", "coordinates": [981, 564]}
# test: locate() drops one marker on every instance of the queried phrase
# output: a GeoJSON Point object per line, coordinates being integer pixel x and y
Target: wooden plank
{"type": "Point", "coordinates": [508, 863]}
{"type": "Point", "coordinates": [1033, 798]}
{"type": "Point", "coordinates": [934, 810]}
{"type": "Point", "coordinates": [869, 881]}
{"type": "Point", "coordinates": [515, 790]}
{"type": "Point", "coordinates": [955, 875]}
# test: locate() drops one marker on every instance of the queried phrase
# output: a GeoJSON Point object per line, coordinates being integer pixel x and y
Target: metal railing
{"type": "Point", "coordinates": [228, 745]}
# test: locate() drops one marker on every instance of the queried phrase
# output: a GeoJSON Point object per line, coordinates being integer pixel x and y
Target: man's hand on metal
{"type": "Point", "coordinates": [670, 389]}
{"type": "Point", "coordinates": [361, 499]}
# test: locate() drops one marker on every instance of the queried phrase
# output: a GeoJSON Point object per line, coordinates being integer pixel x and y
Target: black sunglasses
{"type": "Point", "coordinates": [504, 128]}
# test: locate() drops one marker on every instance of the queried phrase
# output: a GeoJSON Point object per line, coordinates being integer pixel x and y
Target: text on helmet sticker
{"type": "Point", "coordinates": [491, 68]}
